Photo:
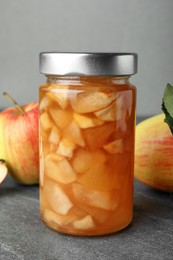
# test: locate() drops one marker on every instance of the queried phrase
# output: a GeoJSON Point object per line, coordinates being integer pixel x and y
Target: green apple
{"type": "Point", "coordinates": [19, 142]}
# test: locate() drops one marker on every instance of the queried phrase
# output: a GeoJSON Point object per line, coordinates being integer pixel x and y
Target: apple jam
{"type": "Point", "coordinates": [87, 129]}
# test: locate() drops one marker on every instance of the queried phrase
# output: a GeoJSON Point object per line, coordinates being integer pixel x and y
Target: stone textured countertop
{"type": "Point", "coordinates": [23, 236]}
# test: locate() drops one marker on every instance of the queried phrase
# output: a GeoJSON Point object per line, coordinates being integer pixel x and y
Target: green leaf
{"type": "Point", "coordinates": [168, 118]}
{"type": "Point", "coordinates": [168, 99]}
{"type": "Point", "coordinates": [167, 105]}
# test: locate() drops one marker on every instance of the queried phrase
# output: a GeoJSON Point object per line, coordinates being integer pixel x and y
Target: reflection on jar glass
{"type": "Point", "coordinates": [87, 125]}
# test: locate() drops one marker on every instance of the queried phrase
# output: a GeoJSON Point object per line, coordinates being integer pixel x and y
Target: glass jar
{"type": "Point", "coordinates": [87, 130]}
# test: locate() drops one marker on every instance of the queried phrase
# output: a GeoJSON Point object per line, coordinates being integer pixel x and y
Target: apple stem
{"type": "Point", "coordinates": [19, 108]}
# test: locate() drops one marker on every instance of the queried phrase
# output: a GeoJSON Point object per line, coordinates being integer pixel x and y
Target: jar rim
{"type": "Point", "coordinates": [88, 63]}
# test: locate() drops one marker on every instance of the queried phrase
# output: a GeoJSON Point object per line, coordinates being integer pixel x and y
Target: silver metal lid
{"type": "Point", "coordinates": [90, 64]}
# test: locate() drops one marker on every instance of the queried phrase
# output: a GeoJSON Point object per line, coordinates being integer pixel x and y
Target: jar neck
{"type": "Point", "coordinates": [54, 79]}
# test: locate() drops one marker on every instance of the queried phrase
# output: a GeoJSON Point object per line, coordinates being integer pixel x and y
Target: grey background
{"type": "Point", "coordinates": [31, 26]}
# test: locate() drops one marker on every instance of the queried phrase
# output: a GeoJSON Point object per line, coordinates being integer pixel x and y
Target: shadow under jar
{"type": "Point", "coordinates": [87, 131]}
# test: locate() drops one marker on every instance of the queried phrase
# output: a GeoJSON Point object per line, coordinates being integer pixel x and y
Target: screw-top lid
{"type": "Point", "coordinates": [90, 64]}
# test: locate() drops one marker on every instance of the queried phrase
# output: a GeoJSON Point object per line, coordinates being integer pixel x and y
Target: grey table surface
{"type": "Point", "coordinates": [23, 236]}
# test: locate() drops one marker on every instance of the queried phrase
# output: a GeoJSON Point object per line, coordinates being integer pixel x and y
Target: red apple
{"type": "Point", "coordinates": [154, 153]}
{"type": "Point", "coordinates": [19, 142]}
{"type": "Point", "coordinates": [3, 170]}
